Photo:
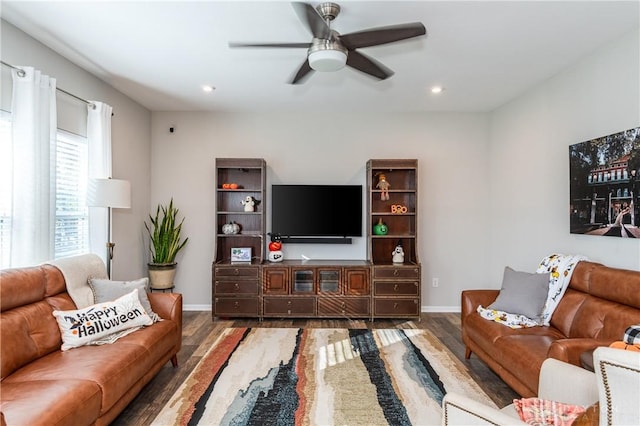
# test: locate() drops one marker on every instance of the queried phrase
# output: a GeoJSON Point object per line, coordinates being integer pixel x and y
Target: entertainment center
{"type": "Point", "coordinates": [373, 288]}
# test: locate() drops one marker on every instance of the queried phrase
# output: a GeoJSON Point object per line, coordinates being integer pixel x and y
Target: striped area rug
{"type": "Point", "coordinates": [289, 376]}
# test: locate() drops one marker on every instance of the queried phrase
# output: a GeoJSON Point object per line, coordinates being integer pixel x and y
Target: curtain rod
{"type": "Point", "coordinates": [21, 73]}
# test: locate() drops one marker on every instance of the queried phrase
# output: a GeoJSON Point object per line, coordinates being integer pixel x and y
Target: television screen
{"type": "Point", "coordinates": [316, 210]}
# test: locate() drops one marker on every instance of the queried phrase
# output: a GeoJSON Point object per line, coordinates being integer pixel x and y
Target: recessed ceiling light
{"type": "Point", "coordinates": [208, 88]}
{"type": "Point", "coordinates": [437, 89]}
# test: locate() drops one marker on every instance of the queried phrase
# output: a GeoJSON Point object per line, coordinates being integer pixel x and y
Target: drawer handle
{"type": "Point", "coordinates": [236, 271]}
{"type": "Point", "coordinates": [395, 306]}
{"type": "Point", "coordinates": [343, 305]}
{"type": "Point", "coordinates": [236, 305]}
{"type": "Point", "coordinates": [395, 287]}
{"type": "Point", "coordinates": [236, 286]}
{"type": "Point", "coordinates": [289, 303]}
{"type": "Point", "coordinates": [395, 272]}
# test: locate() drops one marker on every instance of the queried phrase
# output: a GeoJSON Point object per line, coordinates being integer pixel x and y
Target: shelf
{"type": "Point", "coordinates": [252, 234]}
{"type": "Point", "coordinates": [392, 214]}
{"type": "Point", "coordinates": [239, 190]}
{"type": "Point", "coordinates": [243, 213]}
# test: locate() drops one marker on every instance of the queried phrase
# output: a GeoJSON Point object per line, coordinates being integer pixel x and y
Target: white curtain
{"type": "Point", "coordinates": [99, 143]}
{"type": "Point", "coordinates": [34, 130]}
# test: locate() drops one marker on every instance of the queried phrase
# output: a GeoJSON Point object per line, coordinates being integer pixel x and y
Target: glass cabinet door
{"type": "Point", "coordinates": [329, 281]}
{"type": "Point", "coordinates": [303, 281]}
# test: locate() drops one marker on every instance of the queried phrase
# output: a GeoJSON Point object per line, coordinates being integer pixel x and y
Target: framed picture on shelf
{"type": "Point", "coordinates": [241, 254]}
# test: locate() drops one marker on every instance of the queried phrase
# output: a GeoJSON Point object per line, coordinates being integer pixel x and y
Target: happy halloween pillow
{"type": "Point", "coordinates": [102, 323]}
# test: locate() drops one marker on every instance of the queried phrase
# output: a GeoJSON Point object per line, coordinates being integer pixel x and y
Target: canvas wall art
{"type": "Point", "coordinates": [604, 178]}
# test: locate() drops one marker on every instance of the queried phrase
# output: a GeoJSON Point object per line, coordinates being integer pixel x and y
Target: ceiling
{"type": "Point", "coordinates": [161, 53]}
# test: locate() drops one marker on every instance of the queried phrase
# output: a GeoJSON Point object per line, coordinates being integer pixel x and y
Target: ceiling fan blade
{"type": "Point", "coordinates": [303, 73]}
{"type": "Point", "coordinates": [382, 35]}
{"type": "Point", "coordinates": [233, 44]}
{"type": "Point", "coordinates": [368, 65]}
{"type": "Point", "coordinates": [312, 19]}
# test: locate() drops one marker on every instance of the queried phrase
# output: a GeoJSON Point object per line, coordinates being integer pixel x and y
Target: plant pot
{"type": "Point", "coordinates": [161, 275]}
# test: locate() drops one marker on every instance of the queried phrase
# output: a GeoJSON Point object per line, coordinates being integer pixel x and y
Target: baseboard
{"type": "Point", "coordinates": [437, 309]}
{"type": "Point", "coordinates": [196, 308]}
{"type": "Point", "coordinates": [431, 309]}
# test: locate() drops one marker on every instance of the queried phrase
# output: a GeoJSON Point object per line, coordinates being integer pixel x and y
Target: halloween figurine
{"type": "Point", "coordinates": [249, 203]}
{"type": "Point", "coordinates": [397, 255]}
{"type": "Point", "coordinates": [275, 248]}
{"type": "Point", "coordinates": [383, 186]}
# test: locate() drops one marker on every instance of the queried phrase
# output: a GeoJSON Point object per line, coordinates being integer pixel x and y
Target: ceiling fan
{"type": "Point", "coordinates": [331, 51]}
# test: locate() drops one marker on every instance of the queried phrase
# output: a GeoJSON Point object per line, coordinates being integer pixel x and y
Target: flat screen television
{"type": "Point", "coordinates": [316, 211]}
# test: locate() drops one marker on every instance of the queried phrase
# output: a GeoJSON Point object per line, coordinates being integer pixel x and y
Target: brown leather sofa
{"type": "Point", "coordinates": [42, 385]}
{"type": "Point", "coordinates": [599, 304]}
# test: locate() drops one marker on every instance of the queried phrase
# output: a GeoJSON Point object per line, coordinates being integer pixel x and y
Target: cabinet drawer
{"type": "Point", "coordinates": [289, 306]}
{"type": "Point", "coordinates": [397, 288]}
{"type": "Point", "coordinates": [236, 287]}
{"type": "Point", "coordinates": [396, 307]}
{"type": "Point", "coordinates": [236, 271]}
{"type": "Point", "coordinates": [236, 306]}
{"type": "Point", "coordinates": [343, 306]}
{"type": "Point", "coordinates": [396, 272]}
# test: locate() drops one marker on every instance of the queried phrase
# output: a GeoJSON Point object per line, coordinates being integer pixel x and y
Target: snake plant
{"type": "Point", "coordinates": [164, 234]}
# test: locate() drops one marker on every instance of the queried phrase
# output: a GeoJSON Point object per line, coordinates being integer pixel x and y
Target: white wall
{"type": "Point", "coordinates": [452, 153]}
{"type": "Point", "coordinates": [131, 137]}
{"type": "Point", "coordinates": [529, 159]}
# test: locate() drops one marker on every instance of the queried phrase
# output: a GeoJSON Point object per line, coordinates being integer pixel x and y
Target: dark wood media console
{"type": "Point", "coordinates": [372, 288]}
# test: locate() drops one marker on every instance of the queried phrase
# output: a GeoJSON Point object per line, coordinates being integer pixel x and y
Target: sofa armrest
{"type": "Point", "coordinates": [569, 350]}
{"type": "Point", "coordinates": [470, 299]}
{"type": "Point", "coordinates": [563, 382]}
{"type": "Point", "coordinates": [167, 305]}
{"type": "Point", "coordinates": [461, 410]}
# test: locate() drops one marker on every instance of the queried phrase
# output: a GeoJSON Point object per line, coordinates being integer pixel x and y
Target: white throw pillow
{"type": "Point", "coordinates": [101, 323]}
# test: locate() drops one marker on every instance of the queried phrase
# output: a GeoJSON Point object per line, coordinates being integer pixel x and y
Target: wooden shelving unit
{"type": "Point", "coordinates": [371, 288]}
{"type": "Point", "coordinates": [237, 287]}
{"type": "Point", "coordinates": [396, 287]}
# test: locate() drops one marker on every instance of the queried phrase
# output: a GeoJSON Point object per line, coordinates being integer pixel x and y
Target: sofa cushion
{"type": "Point", "coordinates": [27, 333]}
{"type": "Point", "coordinates": [98, 324]}
{"type": "Point", "coordinates": [522, 293]}
{"type": "Point", "coordinates": [65, 402]}
{"type": "Point", "coordinates": [105, 290]}
{"type": "Point", "coordinates": [114, 368]}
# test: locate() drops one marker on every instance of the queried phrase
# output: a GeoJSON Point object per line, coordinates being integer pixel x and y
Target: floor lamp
{"type": "Point", "coordinates": [112, 194]}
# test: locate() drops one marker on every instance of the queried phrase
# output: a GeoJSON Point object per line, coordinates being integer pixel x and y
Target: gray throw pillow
{"type": "Point", "coordinates": [522, 293]}
{"type": "Point", "coordinates": [105, 290]}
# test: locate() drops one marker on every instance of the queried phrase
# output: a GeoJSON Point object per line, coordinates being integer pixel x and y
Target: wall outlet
{"type": "Point", "coordinates": [435, 282]}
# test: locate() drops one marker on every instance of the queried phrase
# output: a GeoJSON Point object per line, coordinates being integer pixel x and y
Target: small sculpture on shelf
{"type": "Point", "coordinates": [397, 255]}
{"type": "Point", "coordinates": [275, 248]}
{"type": "Point", "coordinates": [380, 228]}
{"type": "Point", "coordinates": [230, 228]}
{"type": "Point", "coordinates": [249, 203]}
{"type": "Point", "coordinates": [383, 186]}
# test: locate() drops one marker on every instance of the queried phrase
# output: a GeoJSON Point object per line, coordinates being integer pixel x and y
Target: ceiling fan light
{"type": "Point", "coordinates": [327, 60]}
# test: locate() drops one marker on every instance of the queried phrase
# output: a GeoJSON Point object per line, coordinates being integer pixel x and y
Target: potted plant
{"type": "Point", "coordinates": [164, 245]}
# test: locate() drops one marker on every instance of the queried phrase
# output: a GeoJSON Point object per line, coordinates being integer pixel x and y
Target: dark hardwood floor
{"type": "Point", "coordinates": [199, 331]}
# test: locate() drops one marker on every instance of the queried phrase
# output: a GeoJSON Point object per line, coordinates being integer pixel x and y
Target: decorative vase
{"type": "Point", "coordinates": [161, 275]}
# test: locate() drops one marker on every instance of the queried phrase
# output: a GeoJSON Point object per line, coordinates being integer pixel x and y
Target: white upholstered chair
{"type": "Point", "coordinates": [616, 384]}
{"type": "Point", "coordinates": [618, 373]}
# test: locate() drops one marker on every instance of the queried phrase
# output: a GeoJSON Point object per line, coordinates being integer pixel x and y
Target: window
{"type": "Point", "coordinates": [71, 234]}
{"type": "Point", "coordinates": [72, 217]}
{"type": "Point", "coordinates": [6, 171]}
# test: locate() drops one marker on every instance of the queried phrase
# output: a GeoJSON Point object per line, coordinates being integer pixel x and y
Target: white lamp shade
{"type": "Point", "coordinates": [327, 60]}
{"type": "Point", "coordinates": [114, 193]}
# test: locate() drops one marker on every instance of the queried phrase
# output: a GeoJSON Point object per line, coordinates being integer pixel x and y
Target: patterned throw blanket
{"type": "Point", "coordinates": [560, 267]}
